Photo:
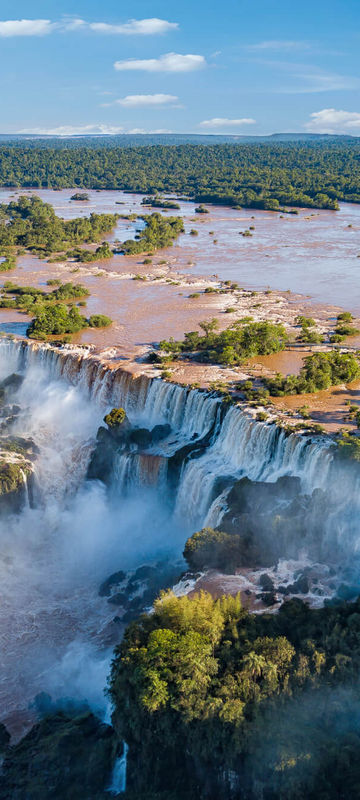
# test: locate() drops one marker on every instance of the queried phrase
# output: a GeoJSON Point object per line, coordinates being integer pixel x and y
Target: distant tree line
{"type": "Point", "coordinates": [268, 176]}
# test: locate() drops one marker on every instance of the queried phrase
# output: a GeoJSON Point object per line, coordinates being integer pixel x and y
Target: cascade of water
{"type": "Point", "coordinates": [118, 781]}
{"type": "Point", "coordinates": [135, 470]}
{"type": "Point", "coordinates": [248, 448]}
{"type": "Point", "coordinates": [240, 446]}
{"type": "Point", "coordinates": [188, 411]}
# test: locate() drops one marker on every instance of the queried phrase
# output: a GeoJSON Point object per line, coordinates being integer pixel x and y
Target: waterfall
{"type": "Point", "coordinates": [58, 550]}
{"type": "Point", "coordinates": [240, 445]}
{"type": "Point", "coordinates": [214, 444]}
{"type": "Point", "coordinates": [118, 781]}
{"type": "Point", "coordinates": [246, 448]}
{"type": "Point", "coordinates": [146, 400]}
{"type": "Point", "coordinates": [135, 470]}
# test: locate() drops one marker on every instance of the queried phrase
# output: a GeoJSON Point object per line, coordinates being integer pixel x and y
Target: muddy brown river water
{"type": "Point", "coordinates": [313, 252]}
{"type": "Point", "coordinates": [313, 255]}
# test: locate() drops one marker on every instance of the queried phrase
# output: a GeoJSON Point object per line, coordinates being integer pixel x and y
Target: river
{"type": "Point", "coordinates": [312, 253]}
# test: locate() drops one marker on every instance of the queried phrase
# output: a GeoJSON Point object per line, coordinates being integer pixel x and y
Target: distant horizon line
{"type": "Point", "coordinates": [292, 134]}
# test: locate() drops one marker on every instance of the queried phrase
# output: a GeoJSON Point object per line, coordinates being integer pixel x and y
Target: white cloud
{"type": "Point", "coordinates": [134, 100]}
{"type": "Point", "coordinates": [170, 62]}
{"type": "Point", "coordinates": [41, 27]}
{"type": "Point", "coordinates": [26, 27]}
{"type": "Point", "coordinates": [329, 120]}
{"type": "Point", "coordinates": [141, 27]}
{"type": "Point", "coordinates": [87, 130]}
{"type": "Point", "coordinates": [72, 24]}
{"type": "Point", "coordinates": [280, 44]}
{"type": "Point", "coordinates": [74, 130]}
{"type": "Point", "coordinates": [222, 122]}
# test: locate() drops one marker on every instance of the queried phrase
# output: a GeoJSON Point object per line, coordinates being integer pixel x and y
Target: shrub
{"type": "Point", "coordinates": [348, 446]}
{"type": "Point", "coordinates": [262, 416]}
{"type": "Point", "coordinates": [80, 196]}
{"type": "Point", "coordinates": [345, 316]}
{"type": "Point", "coordinates": [304, 412]}
{"type": "Point", "coordinates": [53, 320]}
{"type": "Point", "coordinates": [8, 263]}
{"type": "Point", "coordinates": [346, 330]}
{"type": "Point", "coordinates": [69, 291]}
{"type": "Point", "coordinates": [159, 232]}
{"type": "Point", "coordinates": [231, 346]}
{"type": "Point", "coordinates": [115, 418]}
{"type": "Point", "coordinates": [101, 252]}
{"type": "Point", "coordinates": [99, 321]}
{"type": "Point", "coordinates": [305, 322]}
{"type": "Point", "coordinates": [213, 549]}
{"type": "Point", "coordinates": [320, 371]}
{"type": "Point", "coordinates": [311, 337]}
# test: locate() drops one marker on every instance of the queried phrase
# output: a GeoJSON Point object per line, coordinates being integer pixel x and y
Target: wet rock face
{"type": "Point", "coordinates": [120, 435]}
{"type": "Point", "coordinates": [4, 738]}
{"type": "Point", "coordinates": [133, 592]}
{"type": "Point", "coordinates": [62, 756]}
{"type": "Point", "coordinates": [114, 580]}
{"type": "Point", "coordinates": [17, 454]}
{"type": "Point", "coordinates": [266, 583]}
{"type": "Point", "coordinates": [275, 520]}
{"type": "Point", "coordinates": [9, 410]}
{"type": "Point", "coordinates": [17, 481]}
{"type": "Point", "coordinates": [102, 460]}
{"type": "Point", "coordinates": [11, 384]}
{"type": "Point", "coordinates": [141, 437]}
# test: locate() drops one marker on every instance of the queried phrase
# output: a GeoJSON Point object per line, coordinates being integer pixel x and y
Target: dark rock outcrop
{"type": "Point", "coordinates": [273, 520]}
{"type": "Point", "coordinates": [17, 480]}
{"type": "Point", "coordinates": [11, 384]}
{"type": "Point", "coordinates": [119, 435]}
{"type": "Point", "coordinates": [141, 437]}
{"type": "Point", "coordinates": [160, 432]}
{"type": "Point", "coordinates": [113, 580]}
{"type": "Point", "coordinates": [63, 756]}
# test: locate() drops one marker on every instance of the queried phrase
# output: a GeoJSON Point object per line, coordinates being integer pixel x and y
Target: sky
{"type": "Point", "coordinates": [197, 66]}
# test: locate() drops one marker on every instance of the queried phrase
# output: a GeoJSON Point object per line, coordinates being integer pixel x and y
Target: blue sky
{"type": "Point", "coordinates": [201, 66]}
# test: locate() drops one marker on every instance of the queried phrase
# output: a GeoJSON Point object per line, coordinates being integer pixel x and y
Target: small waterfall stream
{"type": "Point", "coordinates": [118, 783]}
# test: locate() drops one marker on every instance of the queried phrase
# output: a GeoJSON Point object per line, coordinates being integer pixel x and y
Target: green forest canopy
{"type": "Point", "coordinates": [265, 175]}
{"type": "Point", "coordinates": [205, 692]}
